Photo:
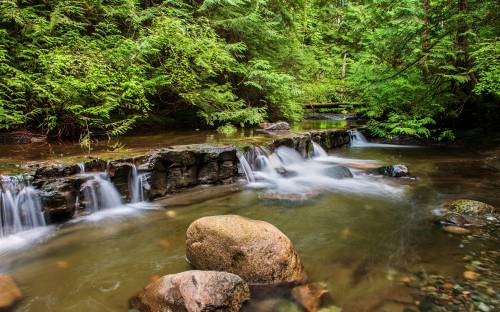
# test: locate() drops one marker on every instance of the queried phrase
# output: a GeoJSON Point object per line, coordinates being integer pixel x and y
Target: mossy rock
{"type": "Point", "coordinates": [469, 207]}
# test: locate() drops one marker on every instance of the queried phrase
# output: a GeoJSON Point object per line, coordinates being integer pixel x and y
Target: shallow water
{"type": "Point", "coordinates": [13, 158]}
{"type": "Point", "coordinates": [358, 244]}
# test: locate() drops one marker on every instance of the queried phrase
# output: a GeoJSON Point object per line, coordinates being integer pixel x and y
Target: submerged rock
{"type": "Point", "coordinates": [310, 296]}
{"type": "Point", "coordinates": [193, 291]}
{"type": "Point", "coordinates": [289, 197]}
{"type": "Point", "coordinates": [339, 172]}
{"type": "Point", "coordinates": [10, 294]}
{"type": "Point", "coordinates": [255, 250]}
{"type": "Point", "coordinates": [395, 171]}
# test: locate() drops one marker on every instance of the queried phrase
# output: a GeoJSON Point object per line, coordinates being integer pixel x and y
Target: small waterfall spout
{"type": "Point", "coordinates": [20, 207]}
{"type": "Point", "coordinates": [245, 166]}
{"type": "Point", "coordinates": [358, 139]}
{"type": "Point", "coordinates": [82, 168]}
{"type": "Point", "coordinates": [100, 194]}
{"type": "Point", "coordinates": [135, 186]}
{"type": "Point", "coordinates": [318, 151]}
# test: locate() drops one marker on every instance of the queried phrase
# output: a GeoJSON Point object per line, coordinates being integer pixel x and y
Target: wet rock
{"type": "Point", "coordinates": [193, 291]}
{"type": "Point", "coordinates": [55, 171]}
{"type": "Point", "coordinates": [120, 173]}
{"type": "Point", "coordinates": [255, 250]}
{"type": "Point", "coordinates": [275, 126]}
{"type": "Point", "coordinates": [95, 165]}
{"type": "Point", "coordinates": [395, 171]}
{"type": "Point", "coordinates": [10, 294]}
{"type": "Point", "coordinates": [466, 213]}
{"type": "Point", "coordinates": [310, 296]}
{"type": "Point", "coordinates": [469, 207]}
{"type": "Point", "coordinates": [339, 172]}
{"type": "Point", "coordinates": [59, 197]}
{"type": "Point", "coordinates": [190, 165]}
{"type": "Point", "coordinates": [302, 142]}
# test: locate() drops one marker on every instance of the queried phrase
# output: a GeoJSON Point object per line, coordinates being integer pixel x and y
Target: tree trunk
{"type": "Point", "coordinates": [425, 40]}
{"type": "Point", "coordinates": [344, 66]}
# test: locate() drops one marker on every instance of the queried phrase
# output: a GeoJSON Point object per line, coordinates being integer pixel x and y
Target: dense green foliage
{"type": "Point", "coordinates": [70, 67]}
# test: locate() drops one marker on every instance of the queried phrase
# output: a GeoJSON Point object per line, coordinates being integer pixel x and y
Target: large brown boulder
{"type": "Point", "coordinates": [193, 291]}
{"type": "Point", "coordinates": [9, 292]}
{"type": "Point", "coordinates": [255, 250]}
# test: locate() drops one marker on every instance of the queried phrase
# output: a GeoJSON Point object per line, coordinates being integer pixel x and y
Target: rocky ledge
{"type": "Point", "coordinates": [64, 189]}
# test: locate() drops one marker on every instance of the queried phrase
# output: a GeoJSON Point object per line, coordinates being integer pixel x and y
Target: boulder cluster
{"type": "Point", "coordinates": [232, 256]}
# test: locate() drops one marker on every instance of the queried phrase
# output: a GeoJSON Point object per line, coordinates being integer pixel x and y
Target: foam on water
{"type": "Point", "coordinates": [24, 239]}
{"type": "Point", "coordinates": [286, 172]}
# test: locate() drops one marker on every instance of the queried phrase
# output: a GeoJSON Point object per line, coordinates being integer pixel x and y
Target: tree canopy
{"type": "Point", "coordinates": [411, 67]}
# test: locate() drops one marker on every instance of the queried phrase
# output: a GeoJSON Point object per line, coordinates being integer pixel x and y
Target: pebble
{"type": "Point", "coordinates": [483, 307]}
{"type": "Point", "coordinates": [429, 289]}
{"type": "Point", "coordinates": [456, 230]}
{"type": "Point", "coordinates": [171, 213]}
{"type": "Point", "coordinates": [471, 275]}
{"type": "Point", "coordinates": [165, 243]}
{"type": "Point", "coordinates": [447, 286]}
{"type": "Point", "coordinates": [61, 264]}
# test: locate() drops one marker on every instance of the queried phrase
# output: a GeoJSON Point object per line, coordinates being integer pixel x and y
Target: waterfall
{"type": "Point", "coordinates": [20, 207]}
{"type": "Point", "coordinates": [318, 151]}
{"type": "Point", "coordinates": [100, 194]}
{"type": "Point", "coordinates": [135, 186]}
{"type": "Point", "coordinates": [245, 166]}
{"type": "Point", "coordinates": [358, 139]}
{"type": "Point", "coordinates": [287, 173]}
{"type": "Point", "coordinates": [82, 168]}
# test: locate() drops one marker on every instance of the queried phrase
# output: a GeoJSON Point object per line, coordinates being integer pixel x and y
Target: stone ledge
{"type": "Point", "coordinates": [164, 171]}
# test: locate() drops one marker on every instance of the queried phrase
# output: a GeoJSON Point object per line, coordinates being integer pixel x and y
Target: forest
{"type": "Point", "coordinates": [74, 68]}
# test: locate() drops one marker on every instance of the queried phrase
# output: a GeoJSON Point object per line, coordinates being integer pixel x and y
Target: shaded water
{"type": "Point", "coordinates": [357, 243]}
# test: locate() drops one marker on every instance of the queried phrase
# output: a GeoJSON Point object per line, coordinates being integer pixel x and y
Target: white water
{"type": "Point", "coordinates": [100, 194]}
{"type": "Point", "coordinates": [359, 140]}
{"type": "Point", "coordinates": [318, 151]}
{"type": "Point", "coordinates": [20, 207]}
{"type": "Point", "coordinates": [245, 166]}
{"type": "Point", "coordinates": [82, 168]}
{"type": "Point", "coordinates": [286, 172]}
{"type": "Point", "coordinates": [135, 186]}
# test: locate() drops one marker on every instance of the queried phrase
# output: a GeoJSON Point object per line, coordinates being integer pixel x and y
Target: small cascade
{"type": "Point", "coordinates": [20, 206]}
{"type": "Point", "coordinates": [135, 186]}
{"type": "Point", "coordinates": [100, 194]}
{"type": "Point", "coordinates": [245, 166]}
{"type": "Point", "coordinates": [318, 151]}
{"type": "Point", "coordinates": [287, 173]}
{"type": "Point", "coordinates": [82, 168]}
{"type": "Point", "coordinates": [358, 139]}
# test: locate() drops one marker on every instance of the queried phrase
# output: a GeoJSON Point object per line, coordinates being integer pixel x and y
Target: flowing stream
{"type": "Point", "coordinates": [356, 231]}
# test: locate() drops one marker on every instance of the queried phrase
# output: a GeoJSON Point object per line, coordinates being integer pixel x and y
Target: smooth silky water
{"type": "Point", "coordinates": [358, 242]}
